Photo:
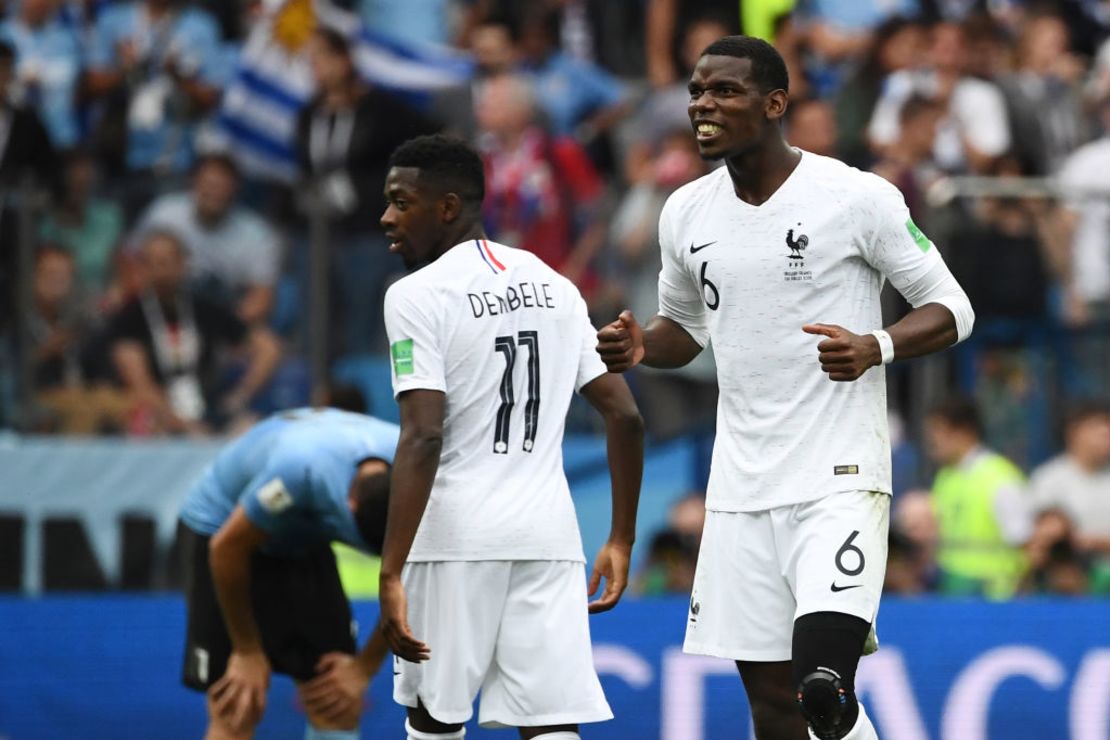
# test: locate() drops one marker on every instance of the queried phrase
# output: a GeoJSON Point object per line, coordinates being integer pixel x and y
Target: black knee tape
{"type": "Point", "coordinates": [826, 651]}
{"type": "Point", "coordinates": [828, 708]}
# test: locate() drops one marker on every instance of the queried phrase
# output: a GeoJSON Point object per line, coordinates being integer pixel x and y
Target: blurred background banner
{"type": "Point", "coordinates": [108, 667]}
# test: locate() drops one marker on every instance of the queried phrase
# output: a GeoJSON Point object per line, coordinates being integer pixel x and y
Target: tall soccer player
{"type": "Point", "coordinates": [774, 258]}
{"type": "Point", "coordinates": [483, 587]}
{"type": "Point", "coordinates": [262, 588]}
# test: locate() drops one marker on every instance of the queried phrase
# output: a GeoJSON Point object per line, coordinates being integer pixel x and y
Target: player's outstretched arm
{"type": "Point", "coordinates": [623, 344]}
{"type": "Point", "coordinates": [414, 471]}
{"type": "Point", "coordinates": [240, 695]}
{"type": "Point", "coordinates": [624, 431]}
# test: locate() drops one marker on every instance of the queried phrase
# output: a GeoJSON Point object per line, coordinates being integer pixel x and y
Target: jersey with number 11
{"type": "Point", "coordinates": [508, 341]}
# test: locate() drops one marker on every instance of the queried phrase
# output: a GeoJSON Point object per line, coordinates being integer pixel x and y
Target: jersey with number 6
{"type": "Point", "coordinates": [748, 278]}
{"type": "Point", "coordinates": [508, 341]}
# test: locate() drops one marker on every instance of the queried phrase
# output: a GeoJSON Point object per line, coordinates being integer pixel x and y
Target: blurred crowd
{"type": "Point", "coordinates": [167, 287]}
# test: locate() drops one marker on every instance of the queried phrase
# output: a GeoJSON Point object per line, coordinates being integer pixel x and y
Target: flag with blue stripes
{"type": "Point", "coordinates": [258, 115]}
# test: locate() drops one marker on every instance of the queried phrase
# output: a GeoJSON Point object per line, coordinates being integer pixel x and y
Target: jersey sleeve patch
{"type": "Point", "coordinates": [274, 497]}
{"type": "Point", "coordinates": [402, 357]}
{"type": "Point", "coordinates": [923, 242]}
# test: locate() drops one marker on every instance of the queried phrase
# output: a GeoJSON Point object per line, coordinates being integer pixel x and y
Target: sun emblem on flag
{"type": "Point", "coordinates": [294, 23]}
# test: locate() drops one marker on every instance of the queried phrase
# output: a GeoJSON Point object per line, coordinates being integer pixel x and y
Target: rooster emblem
{"type": "Point", "coordinates": [797, 246]}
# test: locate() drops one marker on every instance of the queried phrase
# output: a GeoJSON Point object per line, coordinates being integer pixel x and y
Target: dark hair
{"type": "Point", "coordinates": [768, 68]}
{"type": "Point", "coordinates": [164, 232]}
{"type": "Point", "coordinates": [960, 413]}
{"type": "Point", "coordinates": [448, 161]}
{"type": "Point", "coordinates": [7, 53]}
{"type": "Point", "coordinates": [1081, 411]}
{"type": "Point", "coordinates": [335, 40]}
{"type": "Point", "coordinates": [219, 158]}
{"type": "Point", "coordinates": [871, 64]}
{"type": "Point", "coordinates": [371, 497]}
{"type": "Point", "coordinates": [347, 397]}
{"type": "Point", "coordinates": [916, 105]}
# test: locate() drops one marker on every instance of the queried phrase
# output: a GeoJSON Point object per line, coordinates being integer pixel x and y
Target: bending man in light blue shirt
{"type": "Point", "coordinates": [262, 586]}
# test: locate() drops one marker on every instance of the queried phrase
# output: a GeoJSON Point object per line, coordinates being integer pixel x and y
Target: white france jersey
{"type": "Point", "coordinates": [508, 341]}
{"type": "Point", "coordinates": [748, 278]}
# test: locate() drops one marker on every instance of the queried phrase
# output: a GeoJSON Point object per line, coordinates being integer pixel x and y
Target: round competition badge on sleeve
{"type": "Point", "coordinates": [274, 497]}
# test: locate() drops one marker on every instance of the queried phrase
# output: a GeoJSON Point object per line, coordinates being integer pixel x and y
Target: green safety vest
{"type": "Point", "coordinates": [972, 554]}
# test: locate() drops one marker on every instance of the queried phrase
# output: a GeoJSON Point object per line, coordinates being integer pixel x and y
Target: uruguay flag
{"type": "Point", "coordinates": [258, 115]}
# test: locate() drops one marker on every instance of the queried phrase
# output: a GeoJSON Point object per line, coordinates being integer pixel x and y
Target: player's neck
{"type": "Point", "coordinates": [465, 234]}
{"type": "Point", "coordinates": [759, 172]}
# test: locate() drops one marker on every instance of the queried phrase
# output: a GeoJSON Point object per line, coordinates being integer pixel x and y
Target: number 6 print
{"type": "Point", "coordinates": [507, 347]}
{"type": "Point", "coordinates": [849, 547]}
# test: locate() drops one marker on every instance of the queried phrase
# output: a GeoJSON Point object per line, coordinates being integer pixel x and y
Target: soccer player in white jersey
{"type": "Point", "coordinates": [483, 587]}
{"type": "Point", "coordinates": [778, 258]}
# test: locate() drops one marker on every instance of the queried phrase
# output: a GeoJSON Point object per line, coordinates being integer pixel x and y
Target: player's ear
{"type": "Point", "coordinates": [775, 103]}
{"type": "Point", "coordinates": [450, 207]}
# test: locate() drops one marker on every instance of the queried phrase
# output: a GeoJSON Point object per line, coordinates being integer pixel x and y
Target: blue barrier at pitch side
{"type": "Point", "coordinates": [108, 667]}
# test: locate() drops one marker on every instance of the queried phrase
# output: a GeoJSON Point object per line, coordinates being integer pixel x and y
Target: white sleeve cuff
{"type": "Point", "coordinates": [961, 310]}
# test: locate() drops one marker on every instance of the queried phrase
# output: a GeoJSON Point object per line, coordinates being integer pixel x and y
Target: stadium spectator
{"type": "Point", "coordinates": [57, 326]}
{"type": "Point", "coordinates": [974, 132]}
{"type": "Point", "coordinates": [1087, 206]}
{"type": "Point", "coordinates": [234, 254]}
{"type": "Point", "coordinates": [663, 110]}
{"type": "Point", "coordinates": [684, 399]}
{"type": "Point", "coordinates": [897, 44]}
{"type": "Point", "coordinates": [983, 514]}
{"type": "Point", "coordinates": [838, 31]}
{"type": "Point", "coordinates": [811, 126]}
{"type": "Point", "coordinates": [86, 225]}
{"type": "Point", "coordinates": [914, 538]}
{"type": "Point", "coordinates": [908, 162]}
{"type": "Point", "coordinates": [903, 570]}
{"type": "Point", "coordinates": [156, 67]}
{"type": "Point", "coordinates": [344, 137]}
{"type": "Point", "coordinates": [666, 30]}
{"type": "Point", "coordinates": [25, 153]}
{"type": "Point", "coordinates": [166, 348]}
{"type": "Point", "coordinates": [48, 67]}
{"type": "Point", "coordinates": [542, 192]}
{"type": "Point", "coordinates": [1077, 481]}
{"type": "Point", "coordinates": [577, 98]}
{"type": "Point", "coordinates": [673, 552]}
{"type": "Point", "coordinates": [1017, 287]}
{"type": "Point", "coordinates": [1043, 95]}
{"type": "Point", "coordinates": [1056, 566]}
{"type": "Point", "coordinates": [25, 149]}
{"type": "Point", "coordinates": [493, 47]}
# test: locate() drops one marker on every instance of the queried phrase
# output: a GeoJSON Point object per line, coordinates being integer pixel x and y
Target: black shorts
{"type": "Point", "coordinates": [299, 606]}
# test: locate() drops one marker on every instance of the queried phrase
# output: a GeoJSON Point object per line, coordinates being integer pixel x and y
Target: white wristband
{"type": "Point", "coordinates": [886, 345]}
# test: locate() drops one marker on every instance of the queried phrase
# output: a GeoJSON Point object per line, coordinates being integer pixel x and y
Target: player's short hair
{"type": "Point", "coordinates": [768, 67]}
{"type": "Point", "coordinates": [7, 53]}
{"type": "Point", "coordinates": [959, 412]}
{"type": "Point", "coordinates": [447, 161]}
{"type": "Point", "coordinates": [371, 497]}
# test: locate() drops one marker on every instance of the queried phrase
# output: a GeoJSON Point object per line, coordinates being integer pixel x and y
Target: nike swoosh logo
{"type": "Point", "coordinates": [695, 250]}
{"type": "Point", "coordinates": [837, 589]}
